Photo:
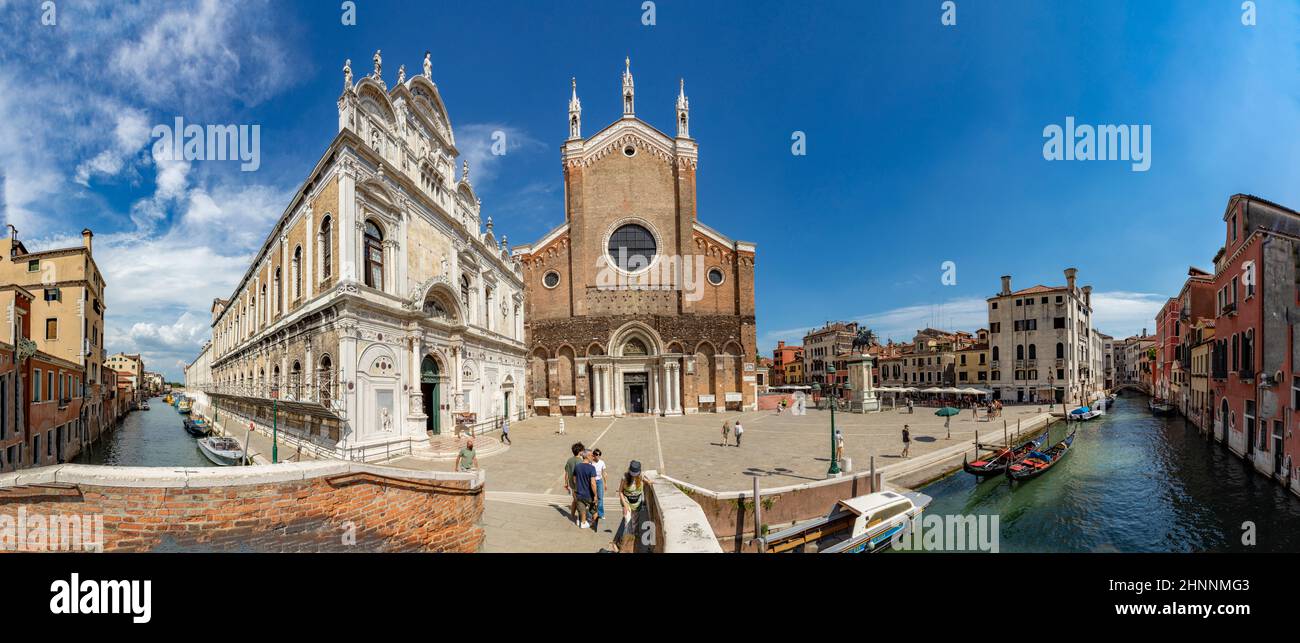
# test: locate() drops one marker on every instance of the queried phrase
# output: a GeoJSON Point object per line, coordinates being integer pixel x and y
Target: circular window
{"type": "Point", "coordinates": [716, 276]}
{"type": "Point", "coordinates": [629, 151]}
{"type": "Point", "coordinates": [632, 247]}
{"type": "Point", "coordinates": [551, 279]}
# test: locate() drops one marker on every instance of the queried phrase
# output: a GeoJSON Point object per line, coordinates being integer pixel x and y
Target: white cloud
{"type": "Point", "coordinates": [475, 142]}
{"type": "Point", "coordinates": [1121, 313]}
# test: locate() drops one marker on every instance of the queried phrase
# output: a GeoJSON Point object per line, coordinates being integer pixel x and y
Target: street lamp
{"type": "Point", "coordinates": [275, 424]}
{"type": "Point", "coordinates": [835, 464]}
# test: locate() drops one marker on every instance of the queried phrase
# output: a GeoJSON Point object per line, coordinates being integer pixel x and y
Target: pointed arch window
{"type": "Point", "coordinates": [326, 248]}
{"type": "Point", "coordinates": [374, 255]}
{"type": "Point", "coordinates": [297, 273]}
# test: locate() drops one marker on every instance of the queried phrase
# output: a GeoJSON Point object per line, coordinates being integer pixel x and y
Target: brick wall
{"type": "Point", "coordinates": [301, 507]}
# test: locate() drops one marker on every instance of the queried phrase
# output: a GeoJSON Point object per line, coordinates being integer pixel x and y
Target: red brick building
{"type": "Point", "coordinates": [1253, 359]}
{"type": "Point", "coordinates": [40, 409]}
{"type": "Point", "coordinates": [1167, 331]}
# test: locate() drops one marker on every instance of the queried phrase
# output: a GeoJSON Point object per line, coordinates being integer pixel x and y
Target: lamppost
{"type": "Point", "coordinates": [275, 424]}
{"type": "Point", "coordinates": [835, 464]}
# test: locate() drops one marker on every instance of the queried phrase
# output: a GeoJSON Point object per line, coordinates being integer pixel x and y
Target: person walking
{"type": "Point", "coordinates": [569, 466]}
{"type": "Point", "coordinates": [584, 484]}
{"type": "Point", "coordinates": [505, 430]}
{"type": "Point", "coordinates": [740, 430]}
{"type": "Point", "coordinates": [467, 459]}
{"type": "Point", "coordinates": [726, 432]}
{"type": "Point", "coordinates": [599, 464]}
{"type": "Point", "coordinates": [631, 492]}
{"type": "Point", "coordinates": [839, 445]}
{"type": "Point", "coordinates": [910, 410]}
{"type": "Point", "coordinates": [907, 441]}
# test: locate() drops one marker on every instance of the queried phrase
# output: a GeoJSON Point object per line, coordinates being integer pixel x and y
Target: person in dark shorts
{"type": "Point", "coordinates": [584, 484]}
{"type": "Point", "coordinates": [569, 466]}
{"type": "Point", "coordinates": [907, 441]}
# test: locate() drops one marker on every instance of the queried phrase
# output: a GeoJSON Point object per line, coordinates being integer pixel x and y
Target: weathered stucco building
{"type": "Point", "coordinates": [633, 305]}
{"type": "Point", "coordinates": [377, 311]}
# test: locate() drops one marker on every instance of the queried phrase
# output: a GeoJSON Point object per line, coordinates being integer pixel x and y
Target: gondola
{"type": "Point", "coordinates": [1160, 407]}
{"type": "Point", "coordinates": [1038, 462]}
{"type": "Point", "coordinates": [996, 463]}
{"type": "Point", "coordinates": [196, 428]}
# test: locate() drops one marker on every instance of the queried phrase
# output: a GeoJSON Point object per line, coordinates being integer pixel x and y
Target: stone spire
{"type": "Point", "coordinates": [683, 112]}
{"type": "Point", "coordinates": [575, 113]}
{"type": "Point", "coordinates": [628, 112]}
{"type": "Point", "coordinates": [401, 74]}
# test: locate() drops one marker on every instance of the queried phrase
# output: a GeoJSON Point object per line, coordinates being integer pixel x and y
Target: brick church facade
{"type": "Point", "coordinates": [632, 305]}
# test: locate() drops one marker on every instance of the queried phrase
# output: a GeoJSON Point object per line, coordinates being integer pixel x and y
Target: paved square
{"type": "Point", "coordinates": [780, 450]}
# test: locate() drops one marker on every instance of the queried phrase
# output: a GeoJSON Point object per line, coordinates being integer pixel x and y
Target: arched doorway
{"type": "Point", "coordinates": [430, 393]}
{"type": "Point", "coordinates": [1224, 420]}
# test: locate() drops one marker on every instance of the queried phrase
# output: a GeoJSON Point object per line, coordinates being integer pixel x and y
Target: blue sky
{"type": "Point", "coordinates": [924, 142]}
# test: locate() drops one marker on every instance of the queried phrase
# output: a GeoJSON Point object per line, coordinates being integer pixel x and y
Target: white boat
{"type": "Point", "coordinates": [223, 451]}
{"type": "Point", "coordinates": [1084, 413]}
{"type": "Point", "coordinates": [863, 524]}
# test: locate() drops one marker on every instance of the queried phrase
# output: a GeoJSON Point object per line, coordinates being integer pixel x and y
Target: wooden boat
{"type": "Point", "coordinates": [167, 399]}
{"type": "Point", "coordinates": [996, 463]}
{"type": "Point", "coordinates": [144, 406]}
{"type": "Point", "coordinates": [223, 451]}
{"type": "Point", "coordinates": [1160, 407]}
{"type": "Point", "coordinates": [863, 524]}
{"type": "Point", "coordinates": [184, 406]}
{"type": "Point", "coordinates": [196, 427]}
{"type": "Point", "coordinates": [1038, 462]}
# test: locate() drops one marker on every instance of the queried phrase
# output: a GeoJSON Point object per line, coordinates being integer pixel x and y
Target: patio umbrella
{"type": "Point", "coordinates": [947, 411]}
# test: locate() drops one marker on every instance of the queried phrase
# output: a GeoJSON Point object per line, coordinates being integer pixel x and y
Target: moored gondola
{"type": "Point", "coordinates": [1036, 463]}
{"type": "Point", "coordinates": [996, 463]}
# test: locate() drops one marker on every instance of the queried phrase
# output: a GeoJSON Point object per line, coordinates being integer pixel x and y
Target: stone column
{"type": "Point", "coordinates": [619, 408]}
{"type": "Point", "coordinates": [347, 369]}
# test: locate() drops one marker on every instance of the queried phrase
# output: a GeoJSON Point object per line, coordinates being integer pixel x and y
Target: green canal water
{"type": "Point", "coordinates": [153, 438]}
{"type": "Point", "coordinates": [1131, 483]}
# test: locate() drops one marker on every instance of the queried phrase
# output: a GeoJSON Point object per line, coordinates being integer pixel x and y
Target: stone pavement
{"type": "Point", "coordinates": [526, 509]}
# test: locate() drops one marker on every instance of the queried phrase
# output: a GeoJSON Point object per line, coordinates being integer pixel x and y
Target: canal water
{"type": "Point", "coordinates": [1131, 483]}
{"type": "Point", "coordinates": [153, 438]}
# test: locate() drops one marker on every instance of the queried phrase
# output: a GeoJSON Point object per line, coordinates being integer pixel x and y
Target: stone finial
{"type": "Point", "coordinates": [401, 74]}
{"type": "Point", "coordinates": [464, 171]}
{"type": "Point", "coordinates": [628, 90]}
{"type": "Point", "coordinates": [379, 64]}
{"type": "Point", "coordinates": [489, 223]}
{"type": "Point", "coordinates": [428, 66]}
{"type": "Point", "coordinates": [347, 74]}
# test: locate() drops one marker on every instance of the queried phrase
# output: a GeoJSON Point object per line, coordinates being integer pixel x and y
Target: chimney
{"type": "Point", "coordinates": [780, 345]}
{"type": "Point", "coordinates": [1006, 285]}
{"type": "Point", "coordinates": [1069, 277]}
{"type": "Point", "coordinates": [86, 235]}
{"type": "Point", "coordinates": [1087, 296]}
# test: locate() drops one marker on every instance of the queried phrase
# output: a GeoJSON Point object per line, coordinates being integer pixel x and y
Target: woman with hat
{"type": "Point", "coordinates": [631, 494]}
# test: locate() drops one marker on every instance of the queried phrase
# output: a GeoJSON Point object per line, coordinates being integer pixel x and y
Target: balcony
{"type": "Point", "coordinates": [1229, 308]}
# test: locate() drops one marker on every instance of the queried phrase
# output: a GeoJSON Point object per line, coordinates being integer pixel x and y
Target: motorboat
{"type": "Point", "coordinates": [1084, 413]}
{"type": "Point", "coordinates": [196, 427]}
{"type": "Point", "coordinates": [864, 524]}
{"type": "Point", "coordinates": [223, 451]}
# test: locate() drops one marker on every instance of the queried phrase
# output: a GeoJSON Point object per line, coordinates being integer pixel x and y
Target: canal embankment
{"type": "Point", "coordinates": [731, 515]}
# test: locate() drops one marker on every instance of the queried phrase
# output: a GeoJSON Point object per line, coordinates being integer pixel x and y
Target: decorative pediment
{"type": "Point", "coordinates": [627, 132]}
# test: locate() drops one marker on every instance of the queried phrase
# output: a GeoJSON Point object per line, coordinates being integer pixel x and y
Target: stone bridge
{"type": "Point", "coordinates": [327, 506]}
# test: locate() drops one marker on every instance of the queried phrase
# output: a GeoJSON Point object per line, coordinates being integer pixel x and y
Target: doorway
{"type": "Point", "coordinates": [1277, 447]}
{"type": "Point", "coordinates": [635, 385]}
{"type": "Point", "coordinates": [431, 394]}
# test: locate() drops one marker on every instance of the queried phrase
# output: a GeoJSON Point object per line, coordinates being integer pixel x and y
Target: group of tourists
{"type": "Point", "coordinates": [584, 479]}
